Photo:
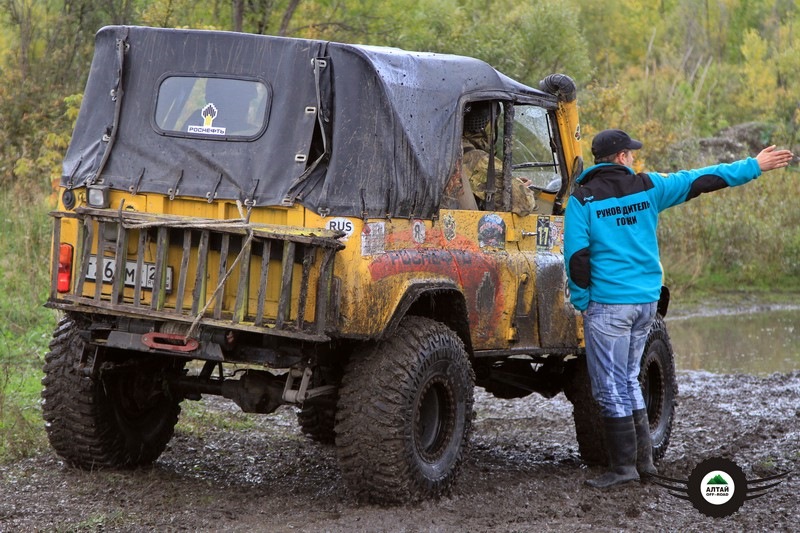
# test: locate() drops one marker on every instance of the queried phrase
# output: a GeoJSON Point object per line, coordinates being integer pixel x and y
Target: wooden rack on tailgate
{"type": "Point", "coordinates": [147, 289]}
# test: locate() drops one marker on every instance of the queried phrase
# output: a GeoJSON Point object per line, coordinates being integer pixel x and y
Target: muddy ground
{"type": "Point", "coordinates": [523, 473]}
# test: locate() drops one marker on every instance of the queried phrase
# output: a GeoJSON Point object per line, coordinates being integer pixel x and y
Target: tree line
{"type": "Point", "coordinates": [666, 70]}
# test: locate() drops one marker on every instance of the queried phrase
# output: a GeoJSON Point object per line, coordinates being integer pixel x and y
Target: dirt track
{"type": "Point", "coordinates": [523, 474]}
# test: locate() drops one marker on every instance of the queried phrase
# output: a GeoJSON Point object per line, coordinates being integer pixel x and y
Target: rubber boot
{"type": "Point", "coordinates": [621, 446]}
{"type": "Point", "coordinates": [644, 445]}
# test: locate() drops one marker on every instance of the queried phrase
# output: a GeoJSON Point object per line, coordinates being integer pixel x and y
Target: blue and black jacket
{"type": "Point", "coordinates": [610, 242]}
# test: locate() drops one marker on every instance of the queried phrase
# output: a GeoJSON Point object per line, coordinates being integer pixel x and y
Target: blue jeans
{"type": "Point", "coordinates": [615, 338]}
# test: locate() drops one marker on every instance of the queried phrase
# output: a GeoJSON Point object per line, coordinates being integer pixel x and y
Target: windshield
{"type": "Point", "coordinates": [532, 155]}
{"type": "Point", "coordinates": [213, 108]}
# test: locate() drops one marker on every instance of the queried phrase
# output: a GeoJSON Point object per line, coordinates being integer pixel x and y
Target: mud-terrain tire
{"type": "Point", "coordinates": [659, 388]}
{"type": "Point", "coordinates": [122, 418]}
{"type": "Point", "coordinates": [317, 417]}
{"type": "Point", "coordinates": [405, 414]}
{"type": "Point", "coordinates": [318, 420]}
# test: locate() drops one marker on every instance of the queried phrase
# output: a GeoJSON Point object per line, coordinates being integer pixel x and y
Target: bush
{"type": "Point", "coordinates": [742, 236]}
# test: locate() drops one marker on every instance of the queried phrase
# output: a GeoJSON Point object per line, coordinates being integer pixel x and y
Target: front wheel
{"type": "Point", "coordinates": [123, 416]}
{"type": "Point", "coordinates": [405, 413]}
{"type": "Point", "coordinates": [659, 388]}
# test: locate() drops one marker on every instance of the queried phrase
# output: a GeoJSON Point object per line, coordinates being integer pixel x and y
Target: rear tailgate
{"type": "Point", "coordinates": [227, 273]}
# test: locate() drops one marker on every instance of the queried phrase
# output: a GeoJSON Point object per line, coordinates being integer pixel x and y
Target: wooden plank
{"type": "Point", "coordinates": [99, 271]}
{"type": "Point", "coordinates": [120, 264]}
{"type": "Point", "coordinates": [314, 236]}
{"type": "Point", "coordinates": [219, 292]}
{"type": "Point", "coordinates": [201, 279]}
{"type": "Point", "coordinates": [285, 298]}
{"type": "Point", "coordinates": [88, 305]}
{"type": "Point", "coordinates": [262, 285]}
{"type": "Point", "coordinates": [184, 270]}
{"type": "Point", "coordinates": [308, 260]}
{"type": "Point", "coordinates": [84, 251]}
{"type": "Point", "coordinates": [243, 289]}
{"type": "Point", "coordinates": [159, 294]}
{"type": "Point", "coordinates": [140, 251]}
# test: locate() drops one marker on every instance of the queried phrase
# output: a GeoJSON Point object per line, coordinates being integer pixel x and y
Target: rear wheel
{"type": "Point", "coordinates": [122, 417]}
{"type": "Point", "coordinates": [659, 388]}
{"type": "Point", "coordinates": [317, 416]}
{"type": "Point", "coordinates": [405, 413]}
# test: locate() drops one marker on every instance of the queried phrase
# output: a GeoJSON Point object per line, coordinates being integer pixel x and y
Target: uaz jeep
{"type": "Point", "coordinates": [282, 221]}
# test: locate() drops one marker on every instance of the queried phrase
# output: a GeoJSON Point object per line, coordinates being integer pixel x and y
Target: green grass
{"type": "Point", "coordinates": [21, 426]}
{"type": "Point", "coordinates": [195, 420]}
{"type": "Point", "coordinates": [25, 326]}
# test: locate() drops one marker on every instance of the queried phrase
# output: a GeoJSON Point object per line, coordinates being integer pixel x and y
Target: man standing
{"type": "Point", "coordinates": [612, 260]}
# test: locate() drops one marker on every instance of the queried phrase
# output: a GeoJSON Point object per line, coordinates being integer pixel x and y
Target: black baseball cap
{"type": "Point", "coordinates": [609, 142]}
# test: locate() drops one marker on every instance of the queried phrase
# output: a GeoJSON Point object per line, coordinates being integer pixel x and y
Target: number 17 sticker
{"type": "Point", "coordinates": [544, 239]}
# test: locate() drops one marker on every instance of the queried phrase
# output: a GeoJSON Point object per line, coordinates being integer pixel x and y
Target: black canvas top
{"type": "Point", "coordinates": [348, 130]}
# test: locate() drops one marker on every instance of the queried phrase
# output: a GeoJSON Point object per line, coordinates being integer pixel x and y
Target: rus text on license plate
{"type": "Point", "coordinates": [147, 275]}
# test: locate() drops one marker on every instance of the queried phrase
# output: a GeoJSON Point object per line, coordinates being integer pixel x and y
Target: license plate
{"type": "Point", "coordinates": [147, 274]}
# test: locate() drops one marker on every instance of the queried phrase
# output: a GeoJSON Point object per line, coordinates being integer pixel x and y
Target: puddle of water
{"type": "Point", "coordinates": [759, 342]}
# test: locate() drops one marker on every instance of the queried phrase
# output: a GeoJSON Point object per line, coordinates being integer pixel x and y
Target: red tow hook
{"type": "Point", "coordinates": [173, 342]}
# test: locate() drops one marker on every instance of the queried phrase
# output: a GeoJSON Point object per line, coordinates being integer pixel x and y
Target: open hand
{"type": "Point", "coordinates": [770, 158]}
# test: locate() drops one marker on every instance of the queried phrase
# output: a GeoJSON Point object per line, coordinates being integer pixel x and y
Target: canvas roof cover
{"type": "Point", "coordinates": [349, 131]}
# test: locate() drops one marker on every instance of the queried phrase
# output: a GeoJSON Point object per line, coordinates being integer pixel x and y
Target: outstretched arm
{"type": "Point", "coordinates": [769, 158]}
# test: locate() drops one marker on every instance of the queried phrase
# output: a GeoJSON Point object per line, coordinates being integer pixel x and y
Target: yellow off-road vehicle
{"type": "Point", "coordinates": [283, 221]}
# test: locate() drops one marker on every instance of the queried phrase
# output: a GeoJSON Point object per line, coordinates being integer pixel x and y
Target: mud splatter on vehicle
{"type": "Point", "coordinates": [286, 222]}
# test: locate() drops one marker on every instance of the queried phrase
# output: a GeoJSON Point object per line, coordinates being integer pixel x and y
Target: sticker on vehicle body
{"type": "Point", "coordinates": [373, 238]}
{"type": "Point", "coordinates": [341, 224]}
{"type": "Point", "coordinates": [418, 231]}
{"type": "Point", "coordinates": [449, 225]}
{"type": "Point", "coordinates": [557, 232]}
{"type": "Point", "coordinates": [491, 231]}
{"type": "Point", "coordinates": [543, 234]}
{"type": "Point", "coordinates": [549, 233]}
